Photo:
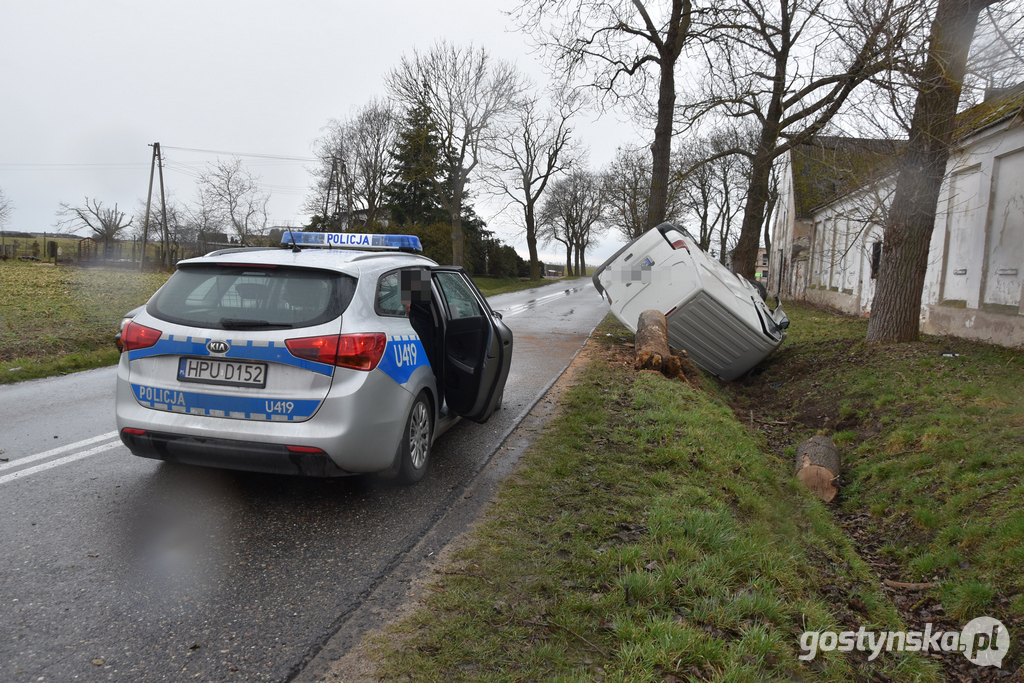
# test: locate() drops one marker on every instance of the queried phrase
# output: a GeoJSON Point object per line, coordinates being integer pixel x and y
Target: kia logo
{"type": "Point", "coordinates": [217, 346]}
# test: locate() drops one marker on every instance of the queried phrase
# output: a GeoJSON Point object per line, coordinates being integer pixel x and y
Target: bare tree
{"type": "Point", "coordinates": [895, 311]}
{"type": "Point", "coordinates": [530, 148]}
{"type": "Point", "coordinates": [234, 198]}
{"type": "Point", "coordinates": [997, 53]}
{"type": "Point", "coordinates": [626, 192]}
{"type": "Point", "coordinates": [571, 214]}
{"type": "Point", "coordinates": [466, 91]}
{"type": "Point", "coordinates": [105, 222]}
{"type": "Point", "coordinates": [790, 65]}
{"type": "Point", "coordinates": [355, 163]}
{"type": "Point", "coordinates": [182, 233]}
{"type": "Point", "coordinates": [6, 208]}
{"type": "Point", "coordinates": [623, 49]}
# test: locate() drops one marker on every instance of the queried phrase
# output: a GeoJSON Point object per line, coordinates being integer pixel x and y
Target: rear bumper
{"type": "Point", "coordinates": [230, 454]}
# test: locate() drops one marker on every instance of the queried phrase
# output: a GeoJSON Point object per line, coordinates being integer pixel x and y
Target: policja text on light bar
{"type": "Point", "coordinates": [351, 240]}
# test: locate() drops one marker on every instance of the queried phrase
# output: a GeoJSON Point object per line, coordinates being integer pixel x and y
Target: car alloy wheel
{"type": "Point", "coordinates": [419, 435]}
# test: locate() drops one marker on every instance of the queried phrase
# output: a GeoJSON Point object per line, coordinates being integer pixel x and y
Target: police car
{"type": "Point", "coordinates": [335, 354]}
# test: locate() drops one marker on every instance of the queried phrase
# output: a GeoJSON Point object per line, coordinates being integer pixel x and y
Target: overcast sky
{"type": "Point", "coordinates": [87, 85]}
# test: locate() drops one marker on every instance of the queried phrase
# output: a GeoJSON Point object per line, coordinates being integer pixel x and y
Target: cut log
{"type": "Point", "coordinates": [652, 352]}
{"type": "Point", "coordinates": [818, 465]}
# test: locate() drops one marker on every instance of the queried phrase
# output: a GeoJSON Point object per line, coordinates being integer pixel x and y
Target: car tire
{"type": "Point", "coordinates": [761, 289]}
{"type": "Point", "coordinates": [414, 451]}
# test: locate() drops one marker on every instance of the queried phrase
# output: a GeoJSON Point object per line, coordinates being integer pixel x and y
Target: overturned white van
{"type": "Point", "coordinates": [720, 319]}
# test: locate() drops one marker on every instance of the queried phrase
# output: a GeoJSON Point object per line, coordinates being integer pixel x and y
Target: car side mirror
{"type": "Point", "coordinates": [496, 314]}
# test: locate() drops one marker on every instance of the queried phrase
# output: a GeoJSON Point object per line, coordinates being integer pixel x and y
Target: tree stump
{"type": "Point", "coordinates": [818, 466]}
{"type": "Point", "coordinates": [652, 352]}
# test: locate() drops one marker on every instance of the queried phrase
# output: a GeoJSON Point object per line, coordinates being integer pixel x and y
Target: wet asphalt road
{"type": "Point", "coordinates": [117, 568]}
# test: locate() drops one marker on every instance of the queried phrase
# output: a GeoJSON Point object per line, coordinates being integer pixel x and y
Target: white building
{"type": "Point", "coordinates": [827, 233]}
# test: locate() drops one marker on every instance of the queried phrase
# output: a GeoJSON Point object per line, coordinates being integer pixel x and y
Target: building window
{"type": "Point", "coordinates": [876, 259]}
{"type": "Point", "coordinates": [764, 260]}
{"type": "Point", "coordinates": [764, 274]}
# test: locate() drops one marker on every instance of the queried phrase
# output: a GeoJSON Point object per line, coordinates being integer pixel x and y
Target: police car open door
{"type": "Point", "coordinates": [477, 347]}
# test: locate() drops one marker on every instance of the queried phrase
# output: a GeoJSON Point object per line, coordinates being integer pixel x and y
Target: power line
{"type": "Point", "coordinates": [117, 166]}
{"type": "Point", "coordinates": [244, 154]}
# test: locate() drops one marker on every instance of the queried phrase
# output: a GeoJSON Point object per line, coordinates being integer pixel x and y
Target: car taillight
{"type": "Point", "coordinates": [135, 336]}
{"type": "Point", "coordinates": [356, 351]}
{"type": "Point", "coordinates": [680, 244]}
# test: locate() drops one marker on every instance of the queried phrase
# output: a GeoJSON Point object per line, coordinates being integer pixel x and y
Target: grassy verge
{"type": "Point", "coordinates": [55, 319]}
{"type": "Point", "coordinates": [646, 537]}
{"type": "Point", "coordinates": [933, 439]}
{"type": "Point", "coordinates": [489, 286]}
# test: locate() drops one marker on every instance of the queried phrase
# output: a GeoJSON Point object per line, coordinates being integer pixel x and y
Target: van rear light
{"type": "Point", "coordinates": [355, 351]}
{"type": "Point", "coordinates": [135, 336]}
{"type": "Point", "coordinates": [133, 431]}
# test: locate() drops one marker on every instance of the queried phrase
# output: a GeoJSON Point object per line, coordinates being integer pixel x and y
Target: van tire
{"type": "Point", "coordinates": [761, 289]}
{"type": "Point", "coordinates": [414, 451]}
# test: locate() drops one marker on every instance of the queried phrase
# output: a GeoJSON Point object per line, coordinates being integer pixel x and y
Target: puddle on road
{"type": "Point", "coordinates": [532, 303]}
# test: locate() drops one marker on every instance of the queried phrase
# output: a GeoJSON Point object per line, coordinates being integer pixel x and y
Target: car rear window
{"type": "Point", "coordinates": [251, 297]}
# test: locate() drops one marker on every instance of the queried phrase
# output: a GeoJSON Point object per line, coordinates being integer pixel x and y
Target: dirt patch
{"type": "Point", "coordinates": [916, 609]}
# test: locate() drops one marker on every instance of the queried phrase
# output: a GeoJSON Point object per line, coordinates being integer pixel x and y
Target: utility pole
{"type": "Point", "coordinates": [163, 205]}
{"type": "Point", "coordinates": [149, 201]}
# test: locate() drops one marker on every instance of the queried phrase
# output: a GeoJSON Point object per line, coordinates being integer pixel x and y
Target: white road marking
{"type": "Point", "coordinates": [59, 449]}
{"type": "Point", "coordinates": [59, 461]}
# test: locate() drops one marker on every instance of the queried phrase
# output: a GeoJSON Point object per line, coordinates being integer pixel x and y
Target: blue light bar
{"type": "Point", "coordinates": [351, 240]}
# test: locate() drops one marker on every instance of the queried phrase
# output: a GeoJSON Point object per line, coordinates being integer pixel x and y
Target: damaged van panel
{"type": "Point", "coordinates": [717, 317]}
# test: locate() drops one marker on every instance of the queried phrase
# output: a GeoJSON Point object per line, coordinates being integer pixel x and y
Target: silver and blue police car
{"type": "Point", "coordinates": [336, 354]}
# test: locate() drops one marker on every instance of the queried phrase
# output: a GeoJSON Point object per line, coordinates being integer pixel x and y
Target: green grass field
{"type": "Point", "coordinates": [55, 319]}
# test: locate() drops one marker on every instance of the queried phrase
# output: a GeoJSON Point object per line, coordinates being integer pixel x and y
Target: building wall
{"type": "Point", "coordinates": [974, 286]}
{"type": "Point", "coordinates": [975, 282]}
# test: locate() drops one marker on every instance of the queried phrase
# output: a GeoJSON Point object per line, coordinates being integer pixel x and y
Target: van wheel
{"type": "Point", "coordinates": [414, 452]}
{"type": "Point", "coordinates": [761, 289]}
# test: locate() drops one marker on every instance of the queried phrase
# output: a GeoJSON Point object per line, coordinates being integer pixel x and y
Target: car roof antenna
{"type": "Point", "coordinates": [295, 245]}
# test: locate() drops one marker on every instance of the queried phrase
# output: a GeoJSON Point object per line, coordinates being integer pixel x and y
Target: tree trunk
{"type": "Point", "coordinates": [661, 148]}
{"type": "Point", "coordinates": [651, 347]}
{"type": "Point", "coordinates": [531, 244]}
{"type": "Point", "coordinates": [896, 310]}
{"type": "Point", "coordinates": [744, 256]}
{"type": "Point", "coordinates": [817, 466]}
{"type": "Point", "coordinates": [458, 238]}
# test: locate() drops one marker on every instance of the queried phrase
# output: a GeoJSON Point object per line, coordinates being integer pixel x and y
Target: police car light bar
{"type": "Point", "coordinates": [350, 240]}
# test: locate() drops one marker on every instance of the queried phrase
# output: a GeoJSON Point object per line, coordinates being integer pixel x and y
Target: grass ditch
{"type": "Point", "coordinates": [646, 536]}
{"type": "Point", "coordinates": [55, 319]}
{"type": "Point", "coordinates": [933, 443]}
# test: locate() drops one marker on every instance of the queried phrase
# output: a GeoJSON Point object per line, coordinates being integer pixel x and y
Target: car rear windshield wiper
{"type": "Point", "coordinates": [242, 322]}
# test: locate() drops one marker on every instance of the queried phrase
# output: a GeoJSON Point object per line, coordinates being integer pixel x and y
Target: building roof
{"type": "Point", "coordinates": [998, 106]}
{"type": "Point", "coordinates": [829, 167]}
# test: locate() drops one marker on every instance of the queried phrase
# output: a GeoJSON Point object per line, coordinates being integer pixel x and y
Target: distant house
{"type": "Point", "coordinates": [761, 266]}
{"type": "Point", "coordinates": [827, 233]}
